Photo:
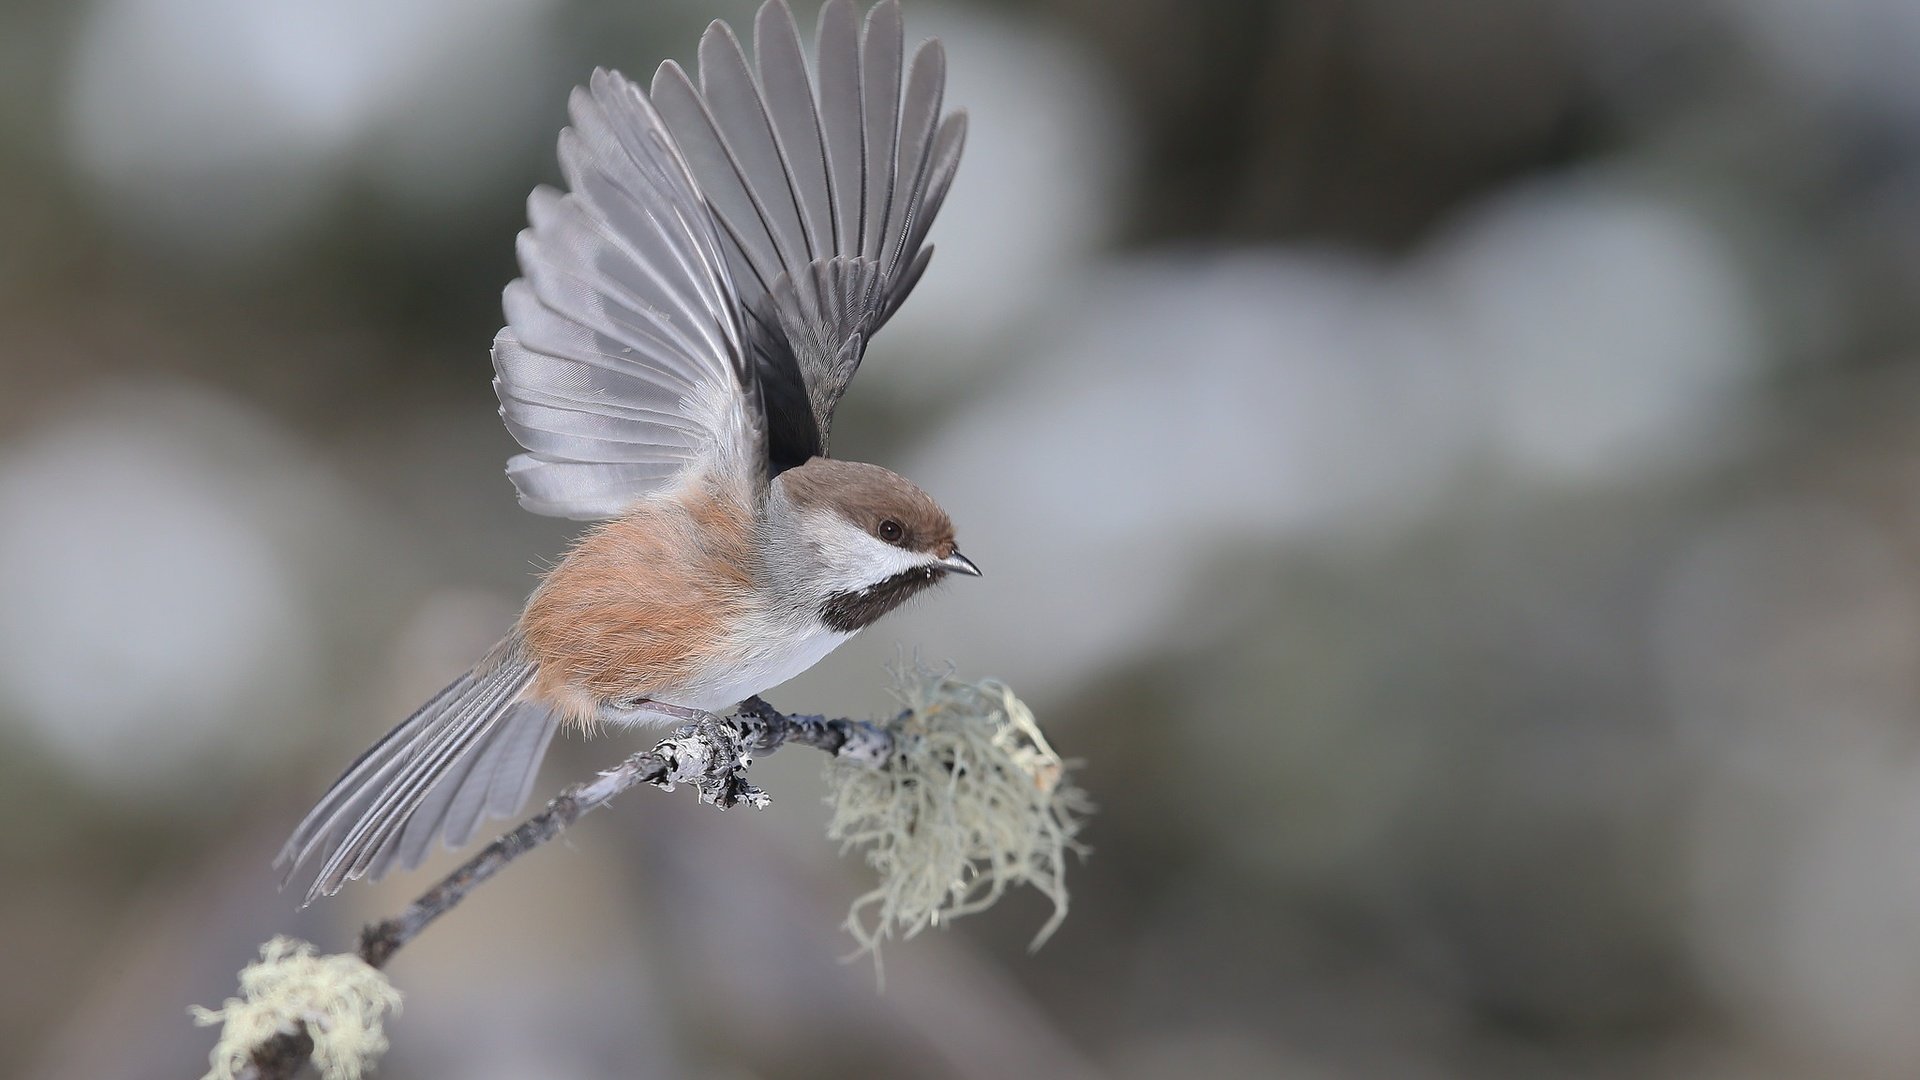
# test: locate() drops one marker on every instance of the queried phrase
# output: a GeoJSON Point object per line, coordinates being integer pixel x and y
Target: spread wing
{"type": "Point", "coordinates": [824, 191]}
{"type": "Point", "coordinates": [624, 367]}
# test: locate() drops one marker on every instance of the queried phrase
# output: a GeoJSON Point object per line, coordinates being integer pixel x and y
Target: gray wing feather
{"type": "Point", "coordinates": [942, 162]}
{"type": "Point", "coordinates": [823, 191]}
{"type": "Point", "coordinates": [880, 50]}
{"type": "Point", "coordinates": [783, 77]}
{"type": "Point", "coordinates": [754, 259]}
{"type": "Point", "coordinates": [623, 367]}
{"type": "Point", "coordinates": [746, 128]}
{"type": "Point", "coordinates": [838, 47]}
{"type": "Point", "coordinates": [583, 490]}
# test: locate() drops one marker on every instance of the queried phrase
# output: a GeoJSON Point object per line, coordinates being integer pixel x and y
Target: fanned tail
{"type": "Point", "coordinates": [471, 751]}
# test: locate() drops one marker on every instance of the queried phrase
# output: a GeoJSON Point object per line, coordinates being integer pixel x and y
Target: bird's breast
{"type": "Point", "coordinates": [757, 665]}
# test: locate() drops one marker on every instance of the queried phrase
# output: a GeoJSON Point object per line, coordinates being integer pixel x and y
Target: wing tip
{"type": "Point", "coordinates": [837, 15]}
{"type": "Point", "coordinates": [888, 10]}
{"type": "Point", "coordinates": [717, 33]}
{"type": "Point", "coordinates": [670, 69]}
{"type": "Point", "coordinates": [774, 9]}
{"type": "Point", "coordinates": [932, 51]}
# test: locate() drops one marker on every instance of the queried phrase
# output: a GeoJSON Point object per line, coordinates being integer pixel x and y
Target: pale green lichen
{"type": "Point", "coordinates": [339, 998]}
{"type": "Point", "coordinates": [972, 802]}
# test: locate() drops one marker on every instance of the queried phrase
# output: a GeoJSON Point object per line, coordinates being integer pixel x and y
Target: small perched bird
{"type": "Point", "coordinates": [689, 312]}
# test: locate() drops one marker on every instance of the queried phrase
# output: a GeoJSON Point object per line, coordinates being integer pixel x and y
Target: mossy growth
{"type": "Point", "coordinates": [973, 802]}
{"type": "Point", "coordinates": [340, 999]}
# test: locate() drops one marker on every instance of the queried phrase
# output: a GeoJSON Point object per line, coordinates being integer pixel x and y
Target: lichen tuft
{"type": "Point", "coordinates": [340, 999]}
{"type": "Point", "coordinates": [973, 802]}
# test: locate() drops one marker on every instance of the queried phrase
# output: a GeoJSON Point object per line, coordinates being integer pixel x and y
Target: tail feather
{"type": "Point", "coordinates": [517, 763]}
{"type": "Point", "coordinates": [364, 775]}
{"type": "Point", "coordinates": [493, 780]}
{"type": "Point", "coordinates": [473, 748]}
{"type": "Point", "coordinates": [442, 750]}
{"type": "Point", "coordinates": [426, 824]}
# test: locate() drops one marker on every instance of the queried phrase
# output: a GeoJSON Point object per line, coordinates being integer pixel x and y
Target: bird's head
{"type": "Point", "coordinates": [868, 538]}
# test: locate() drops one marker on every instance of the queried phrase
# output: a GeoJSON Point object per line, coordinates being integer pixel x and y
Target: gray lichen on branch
{"type": "Point", "coordinates": [973, 801]}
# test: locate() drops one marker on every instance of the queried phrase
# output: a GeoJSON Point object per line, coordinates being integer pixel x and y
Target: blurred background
{"type": "Point", "coordinates": [1451, 468]}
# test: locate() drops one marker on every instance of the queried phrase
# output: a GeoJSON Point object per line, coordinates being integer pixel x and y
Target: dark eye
{"type": "Point", "coordinates": [891, 531]}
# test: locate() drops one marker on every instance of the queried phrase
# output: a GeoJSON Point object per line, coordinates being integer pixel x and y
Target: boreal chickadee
{"type": "Point", "coordinates": [689, 312]}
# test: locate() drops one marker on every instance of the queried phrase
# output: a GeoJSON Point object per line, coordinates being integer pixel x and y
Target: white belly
{"type": "Point", "coordinates": [759, 670]}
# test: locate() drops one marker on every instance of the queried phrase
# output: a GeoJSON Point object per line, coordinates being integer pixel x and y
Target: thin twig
{"type": "Point", "coordinates": [712, 756]}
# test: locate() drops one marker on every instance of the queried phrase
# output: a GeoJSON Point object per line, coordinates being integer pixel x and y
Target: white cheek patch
{"type": "Point", "coordinates": [854, 558]}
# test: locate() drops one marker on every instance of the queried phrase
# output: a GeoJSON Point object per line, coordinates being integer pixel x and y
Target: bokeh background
{"type": "Point", "coordinates": [1451, 468]}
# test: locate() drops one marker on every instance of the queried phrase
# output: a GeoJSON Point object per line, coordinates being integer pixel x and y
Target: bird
{"type": "Point", "coordinates": [689, 313]}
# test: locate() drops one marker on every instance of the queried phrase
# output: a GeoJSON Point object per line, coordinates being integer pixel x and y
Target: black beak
{"type": "Point", "coordinates": [959, 564]}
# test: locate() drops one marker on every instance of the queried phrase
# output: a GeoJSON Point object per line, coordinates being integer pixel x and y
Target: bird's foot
{"type": "Point", "coordinates": [629, 711]}
{"type": "Point", "coordinates": [708, 752]}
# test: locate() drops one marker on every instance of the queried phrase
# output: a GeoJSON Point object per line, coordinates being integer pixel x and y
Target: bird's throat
{"type": "Point", "coordinates": [857, 609]}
